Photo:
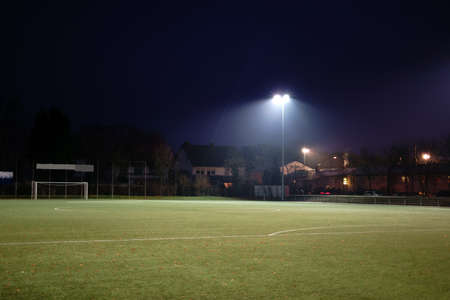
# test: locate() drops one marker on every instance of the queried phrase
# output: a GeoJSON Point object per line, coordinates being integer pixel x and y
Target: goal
{"type": "Point", "coordinates": [54, 189]}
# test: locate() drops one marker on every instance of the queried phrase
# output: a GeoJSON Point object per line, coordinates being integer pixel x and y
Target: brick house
{"type": "Point", "coordinates": [206, 160]}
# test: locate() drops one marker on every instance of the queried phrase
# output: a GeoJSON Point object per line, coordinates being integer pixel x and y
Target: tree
{"type": "Point", "coordinates": [397, 156]}
{"type": "Point", "coordinates": [265, 158]}
{"type": "Point", "coordinates": [445, 147]}
{"type": "Point", "coordinates": [234, 162]}
{"type": "Point", "coordinates": [202, 185]}
{"type": "Point", "coordinates": [51, 137]}
{"type": "Point", "coordinates": [162, 161]}
{"type": "Point", "coordinates": [184, 183]}
{"type": "Point", "coordinates": [12, 131]}
{"type": "Point", "coordinates": [368, 163]}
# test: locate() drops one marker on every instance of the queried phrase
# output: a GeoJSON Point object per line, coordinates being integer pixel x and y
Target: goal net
{"type": "Point", "coordinates": [53, 189]}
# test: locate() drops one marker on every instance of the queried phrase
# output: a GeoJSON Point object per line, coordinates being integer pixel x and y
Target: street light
{"type": "Point", "coordinates": [426, 157]}
{"type": "Point", "coordinates": [281, 100]}
{"type": "Point", "coordinates": [305, 151]}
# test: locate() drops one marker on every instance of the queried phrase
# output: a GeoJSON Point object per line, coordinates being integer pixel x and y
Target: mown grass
{"type": "Point", "coordinates": [222, 249]}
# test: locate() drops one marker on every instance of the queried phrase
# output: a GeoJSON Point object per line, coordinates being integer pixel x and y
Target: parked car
{"type": "Point", "coordinates": [371, 193]}
{"type": "Point", "coordinates": [325, 193]}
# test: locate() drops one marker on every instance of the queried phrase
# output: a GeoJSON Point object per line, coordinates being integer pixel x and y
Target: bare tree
{"type": "Point", "coordinates": [202, 185]}
{"type": "Point", "coordinates": [162, 161]}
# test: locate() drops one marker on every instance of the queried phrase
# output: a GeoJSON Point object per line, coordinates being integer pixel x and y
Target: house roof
{"type": "Point", "coordinates": [207, 155]}
{"type": "Point", "coordinates": [295, 166]}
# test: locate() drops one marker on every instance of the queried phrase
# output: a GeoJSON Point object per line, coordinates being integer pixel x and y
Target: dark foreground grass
{"type": "Point", "coordinates": [187, 249]}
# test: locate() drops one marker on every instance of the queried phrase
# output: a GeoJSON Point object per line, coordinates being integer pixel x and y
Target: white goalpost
{"type": "Point", "coordinates": [61, 187]}
{"type": "Point", "coordinates": [84, 192]}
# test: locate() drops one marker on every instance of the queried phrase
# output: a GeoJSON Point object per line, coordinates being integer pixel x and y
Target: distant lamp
{"type": "Point", "coordinates": [426, 156]}
{"type": "Point", "coordinates": [305, 151]}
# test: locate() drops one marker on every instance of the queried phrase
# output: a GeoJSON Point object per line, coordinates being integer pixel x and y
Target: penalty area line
{"type": "Point", "coordinates": [225, 236]}
{"type": "Point", "coordinates": [132, 240]}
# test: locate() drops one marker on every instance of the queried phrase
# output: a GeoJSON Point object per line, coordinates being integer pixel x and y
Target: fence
{"type": "Point", "coordinates": [387, 200]}
{"type": "Point", "coordinates": [109, 179]}
{"type": "Point", "coordinates": [118, 179]}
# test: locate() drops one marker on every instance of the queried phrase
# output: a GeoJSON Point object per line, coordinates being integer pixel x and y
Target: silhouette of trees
{"type": "Point", "coordinates": [51, 137]}
{"type": "Point", "coordinates": [13, 134]}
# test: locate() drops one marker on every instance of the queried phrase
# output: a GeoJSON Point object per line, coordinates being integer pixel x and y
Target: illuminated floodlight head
{"type": "Point", "coordinates": [305, 150]}
{"type": "Point", "coordinates": [278, 99]}
{"type": "Point", "coordinates": [426, 156]}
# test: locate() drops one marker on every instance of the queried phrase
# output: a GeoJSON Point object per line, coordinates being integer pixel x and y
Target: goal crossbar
{"type": "Point", "coordinates": [83, 184]}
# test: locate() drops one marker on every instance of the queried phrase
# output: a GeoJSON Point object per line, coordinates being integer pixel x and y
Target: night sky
{"type": "Point", "coordinates": [204, 71]}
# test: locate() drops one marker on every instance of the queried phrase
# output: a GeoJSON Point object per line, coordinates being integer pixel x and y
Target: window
{"type": "Point", "coordinates": [345, 181]}
{"type": "Point", "coordinates": [213, 172]}
{"type": "Point", "coordinates": [197, 172]}
{"type": "Point", "coordinates": [405, 179]}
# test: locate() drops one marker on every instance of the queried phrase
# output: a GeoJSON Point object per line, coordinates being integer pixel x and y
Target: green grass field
{"type": "Point", "coordinates": [222, 249]}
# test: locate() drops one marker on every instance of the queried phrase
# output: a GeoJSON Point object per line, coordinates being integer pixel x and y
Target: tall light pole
{"type": "Point", "coordinates": [305, 151]}
{"type": "Point", "coordinates": [426, 157]}
{"type": "Point", "coordinates": [281, 100]}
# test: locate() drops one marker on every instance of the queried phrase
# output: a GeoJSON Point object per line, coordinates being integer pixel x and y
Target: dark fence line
{"type": "Point", "coordinates": [387, 200]}
{"type": "Point", "coordinates": [100, 190]}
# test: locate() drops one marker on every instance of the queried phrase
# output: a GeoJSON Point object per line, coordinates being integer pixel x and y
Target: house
{"type": "Point", "coordinates": [425, 179]}
{"type": "Point", "coordinates": [295, 167]}
{"type": "Point", "coordinates": [6, 177]}
{"type": "Point", "coordinates": [296, 174]}
{"type": "Point", "coordinates": [208, 160]}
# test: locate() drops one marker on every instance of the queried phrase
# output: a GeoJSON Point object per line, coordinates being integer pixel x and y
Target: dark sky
{"type": "Point", "coordinates": [361, 74]}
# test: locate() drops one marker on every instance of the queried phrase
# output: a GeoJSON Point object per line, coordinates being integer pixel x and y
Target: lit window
{"type": "Point", "coordinates": [345, 181]}
{"type": "Point", "coordinates": [405, 179]}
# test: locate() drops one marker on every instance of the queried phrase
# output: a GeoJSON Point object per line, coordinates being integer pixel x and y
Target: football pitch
{"type": "Point", "coordinates": [222, 249]}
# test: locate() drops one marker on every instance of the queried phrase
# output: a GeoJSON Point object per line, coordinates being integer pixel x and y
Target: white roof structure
{"type": "Point", "coordinates": [70, 167]}
{"type": "Point", "coordinates": [296, 166]}
{"type": "Point", "coordinates": [6, 175]}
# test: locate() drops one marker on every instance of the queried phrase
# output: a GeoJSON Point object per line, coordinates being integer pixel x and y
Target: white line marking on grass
{"type": "Point", "coordinates": [370, 231]}
{"type": "Point", "coordinates": [62, 208]}
{"type": "Point", "coordinates": [163, 201]}
{"type": "Point", "coordinates": [132, 240]}
{"type": "Point", "coordinates": [323, 227]}
{"type": "Point", "coordinates": [227, 236]}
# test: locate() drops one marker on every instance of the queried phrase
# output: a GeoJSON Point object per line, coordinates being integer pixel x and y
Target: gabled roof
{"type": "Point", "coordinates": [295, 166]}
{"type": "Point", "coordinates": [207, 155]}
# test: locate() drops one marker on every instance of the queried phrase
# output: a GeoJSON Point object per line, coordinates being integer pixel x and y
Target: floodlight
{"type": "Point", "coordinates": [281, 100]}
{"type": "Point", "coordinates": [278, 99]}
{"type": "Point", "coordinates": [426, 156]}
{"type": "Point", "coordinates": [305, 150]}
